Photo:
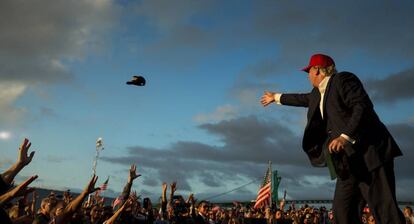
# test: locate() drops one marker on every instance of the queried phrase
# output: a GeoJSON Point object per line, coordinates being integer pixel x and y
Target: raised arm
{"type": "Point", "coordinates": [116, 215]}
{"type": "Point", "coordinates": [132, 176]}
{"type": "Point", "coordinates": [19, 190]}
{"type": "Point", "coordinates": [22, 160]}
{"type": "Point", "coordinates": [173, 189]}
{"type": "Point", "coordinates": [164, 198]}
{"type": "Point", "coordinates": [73, 206]}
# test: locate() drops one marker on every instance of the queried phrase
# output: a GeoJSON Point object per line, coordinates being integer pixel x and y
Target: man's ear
{"type": "Point", "coordinates": [318, 72]}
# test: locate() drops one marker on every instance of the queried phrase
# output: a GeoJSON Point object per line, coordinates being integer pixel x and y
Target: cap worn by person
{"type": "Point", "coordinates": [320, 60]}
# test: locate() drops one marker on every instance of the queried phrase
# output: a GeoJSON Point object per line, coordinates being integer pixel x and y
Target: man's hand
{"type": "Point", "coordinates": [133, 173]}
{"type": "Point", "coordinates": [337, 145]}
{"type": "Point", "coordinates": [164, 187]}
{"type": "Point", "coordinates": [267, 98]}
{"type": "Point", "coordinates": [23, 159]}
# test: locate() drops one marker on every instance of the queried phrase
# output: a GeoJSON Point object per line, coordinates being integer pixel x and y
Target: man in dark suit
{"type": "Point", "coordinates": [202, 213]}
{"type": "Point", "coordinates": [344, 133]}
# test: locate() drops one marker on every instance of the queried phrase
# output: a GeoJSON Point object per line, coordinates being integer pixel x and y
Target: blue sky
{"type": "Point", "coordinates": [198, 121]}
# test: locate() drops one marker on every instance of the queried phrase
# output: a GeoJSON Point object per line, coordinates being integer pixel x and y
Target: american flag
{"type": "Point", "coordinates": [264, 194]}
{"type": "Point", "coordinates": [117, 201]}
{"type": "Point", "coordinates": [104, 186]}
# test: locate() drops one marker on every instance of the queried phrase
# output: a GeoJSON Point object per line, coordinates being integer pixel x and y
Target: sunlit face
{"type": "Point", "coordinates": [278, 214]}
{"type": "Point", "coordinates": [315, 77]}
{"type": "Point", "coordinates": [407, 212]}
{"type": "Point", "coordinates": [371, 219]}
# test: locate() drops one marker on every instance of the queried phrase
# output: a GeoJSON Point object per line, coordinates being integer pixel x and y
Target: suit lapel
{"type": "Point", "coordinates": [325, 96]}
{"type": "Point", "coordinates": [314, 104]}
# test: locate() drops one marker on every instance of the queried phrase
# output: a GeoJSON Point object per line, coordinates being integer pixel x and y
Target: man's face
{"type": "Point", "coordinates": [278, 214]}
{"type": "Point", "coordinates": [315, 77]}
{"type": "Point", "coordinates": [95, 212]}
{"type": "Point", "coordinates": [203, 208]}
{"type": "Point", "coordinates": [407, 212]}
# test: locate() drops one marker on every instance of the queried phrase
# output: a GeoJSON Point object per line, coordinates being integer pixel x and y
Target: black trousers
{"type": "Point", "coordinates": [377, 188]}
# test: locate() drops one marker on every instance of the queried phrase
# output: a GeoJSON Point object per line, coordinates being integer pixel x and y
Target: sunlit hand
{"type": "Point", "coordinates": [267, 98]}
{"type": "Point", "coordinates": [337, 145]}
{"type": "Point", "coordinates": [22, 189]}
{"type": "Point", "coordinates": [164, 187]}
{"type": "Point", "coordinates": [23, 159]}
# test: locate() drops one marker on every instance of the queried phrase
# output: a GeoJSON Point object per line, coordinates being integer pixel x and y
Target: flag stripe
{"type": "Point", "coordinates": [264, 194]}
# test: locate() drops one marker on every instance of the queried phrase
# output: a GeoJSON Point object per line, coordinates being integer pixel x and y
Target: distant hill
{"type": "Point", "coordinates": [43, 193]}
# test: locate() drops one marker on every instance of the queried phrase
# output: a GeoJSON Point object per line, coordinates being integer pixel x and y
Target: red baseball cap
{"type": "Point", "coordinates": [319, 60]}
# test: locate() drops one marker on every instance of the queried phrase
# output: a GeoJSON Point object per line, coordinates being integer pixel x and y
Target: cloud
{"type": "Point", "coordinates": [4, 163]}
{"type": "Point", "coordinates": [5, 135]}
{"type": "Point", "coordinates": [224, 112]}
{"type": "Point", "coordinates": [403, 134]}
{"type": "Point", "coordinates": [394, 87]}
{"type": "Point", "coordinates": [246, 144]}
{"type": "Point", "coordinates": [345, 30]}
{"type": "Point", "coordinates": [56, 159]}
{"type": "Point", "coordinates": [10, 91]}
{"type": "Point", "coordinates": [39, 37]}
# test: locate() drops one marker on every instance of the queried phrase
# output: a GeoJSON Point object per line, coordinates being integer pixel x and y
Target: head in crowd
{"type": "Point", "coordinates": [203, 207]}
{"type": "Point", "coordinates": [46, 207]}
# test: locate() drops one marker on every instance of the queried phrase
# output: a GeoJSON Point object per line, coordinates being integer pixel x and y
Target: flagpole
{"type": "Point", "coordinates": [271, 183]}
{"type": "Point", "coordinates": [99, 147]}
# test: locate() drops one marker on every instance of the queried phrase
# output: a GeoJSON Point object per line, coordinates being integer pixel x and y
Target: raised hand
{"type": "Point", "coordinates": [173, 187]}
{"type": "Point", "coordinates": [23, 159]}
{"type": "Point", "coordinates": [90, 188]}
{"type": "Point", "coordinates": [133, 173]}
{"type": "Point", "coordinates": [191, 199]}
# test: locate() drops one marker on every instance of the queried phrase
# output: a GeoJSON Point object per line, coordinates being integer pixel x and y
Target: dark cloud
{"type": "Point", "coordinates": [403, 134]}
{"type": "Point", "coordinates": [38, 35]}
{"type": "Point", "coordinates": [246, 144]}
{"type": "Point", "coordinates": [296, 29]}
{"type": "Point", "coordinates": [345, 28]}
{"type": "Point", "coordinates": [56, 159]}
{"type": "Point", "coordinates": [151, 182]}
{"type": "Point", "coordinates": [394, 87]}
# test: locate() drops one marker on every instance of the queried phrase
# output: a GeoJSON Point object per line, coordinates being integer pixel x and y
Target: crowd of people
{"type": "Point", "coordinates": [18, 205]}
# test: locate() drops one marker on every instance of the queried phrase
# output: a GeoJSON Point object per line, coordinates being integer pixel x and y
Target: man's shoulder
{"type": "Point", "coordinates": [344, 75]}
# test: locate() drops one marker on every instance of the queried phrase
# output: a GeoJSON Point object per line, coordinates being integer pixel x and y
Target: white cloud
{"type": "Point", "coordinates": [39, 36]}
{"type": "Point", "coordinates": [5, 135]}
{"type": "Point", "coordinates": [4, 162]}
{"type": "Point", "coordinates": [224, 112]}
{"type": "Point", "coordinates": [9, 92]}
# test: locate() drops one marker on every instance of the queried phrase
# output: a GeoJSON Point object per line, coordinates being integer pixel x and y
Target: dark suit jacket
{"type": "Point", "coordinates": [348, 110]}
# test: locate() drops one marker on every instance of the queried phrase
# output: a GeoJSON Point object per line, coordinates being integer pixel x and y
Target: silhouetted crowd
{"type": "Point", "coordinates": [18, 205]}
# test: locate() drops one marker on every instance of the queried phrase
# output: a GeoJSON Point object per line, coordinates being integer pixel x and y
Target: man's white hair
{"type": "Point", "coordinates": [328, 71]}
